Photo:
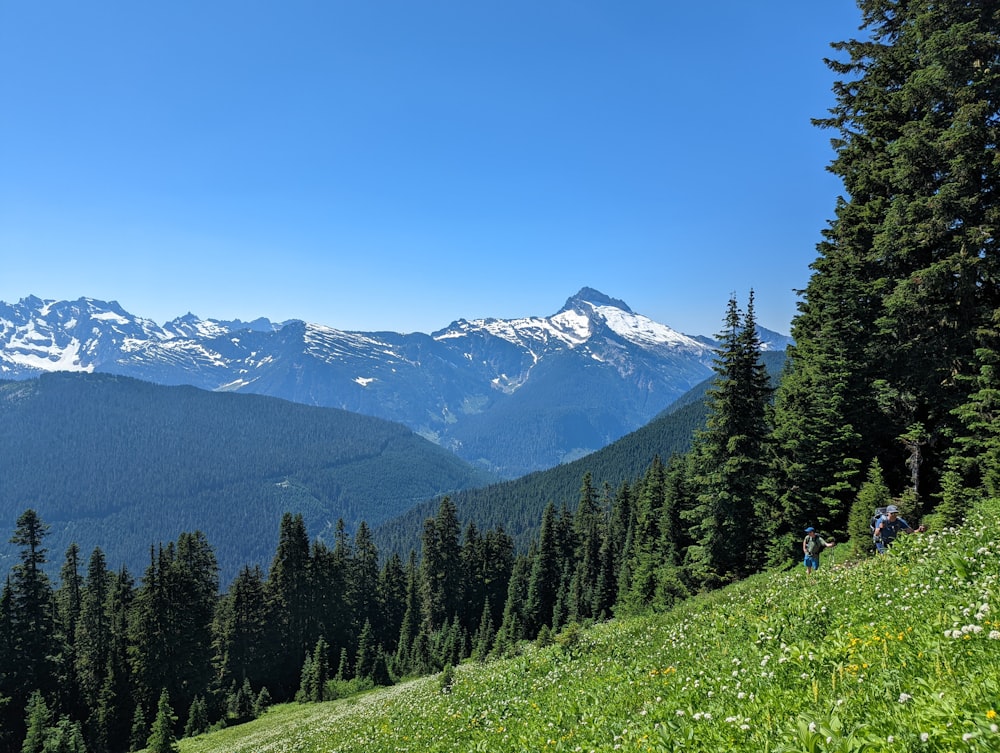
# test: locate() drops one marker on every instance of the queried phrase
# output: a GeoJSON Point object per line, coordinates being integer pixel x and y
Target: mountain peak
{"type": "Point", "coordinates": [590, 295]}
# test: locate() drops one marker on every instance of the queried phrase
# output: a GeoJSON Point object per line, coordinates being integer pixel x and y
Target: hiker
{"type": "Point", "coordinates": [812, 545]}
{"type": "Point", "coordinates": [889, 526]}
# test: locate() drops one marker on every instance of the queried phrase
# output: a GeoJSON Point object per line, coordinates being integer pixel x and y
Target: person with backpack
{"type": "Point", "coordinates": [889, 526]}
{"type": "Point", "coordinates": [812, 545]}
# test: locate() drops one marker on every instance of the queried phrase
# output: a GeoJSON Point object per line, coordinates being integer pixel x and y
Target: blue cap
{"type": "Point", "coordinates": [810, 529]}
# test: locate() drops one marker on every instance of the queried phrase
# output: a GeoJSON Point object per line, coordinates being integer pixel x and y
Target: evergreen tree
{"type": "Point", "coordinates": [289, 597]}
{"type": "Point", "coordinates": [240, 629]}
{"type": "Point", "coordinates": [114, 718]}
{"type": "Point", "coordinates": [904, 291]}
{"type": "Point", "coordinates": [730, 457]}
{"type": "Point", "coordinates": [197, 719]}
{"type": "Point", "coordinates": [161, 736]}
{"type": "Point", "coordinates": [93, 630]}
{"type": "Point", "coordinates": [403, 661]}
{"type": "Point", "coordinates": [320, 670]}
{"type": "Point", "coordinates": [441, 567]}
{"type": "Point", "coordinates": [332, 611]}
{"type": "Point", "coordinates": [363, 580]}
{"type": "Point", "coordinates": [874, 494]}
{"type": "Point", "coordinates": [512, 624]}
{"type": "Point", "coordinates": [261, 703]}
{"type": "Point", "coordinates": [973, 470]}
{"type": "Point", "coordinates": [307, 681]}
{"type": "Point", "coordinates": [590, 525]}
{"type": "Point", "coordinates": [68, 599]}
{"type": "Point", "coordinates": [139, 732]}
{"type": "Point", "coordinates": [392, 603]}
{"type": "Point", "coordinates": [8, 722]}
{"type": "Point", "coordinates": [37, 721]}
{"type": "Point", "coordinates": [31, 612]}
{"type": "Point", "coordinates": [546, 572]}
{"type": "Point", "coordinates": [482, 642]}
{"type": "Point", "coordinates": [646, 555]}
{"type": "Point", "coordinates": [364, 661]}
{"type": "Point", "coordinates": [171, 625]}
{"type": "Point", "coordinates": [65, 737]}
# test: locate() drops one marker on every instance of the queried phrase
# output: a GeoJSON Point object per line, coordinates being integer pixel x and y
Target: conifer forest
{"type": "Point", "coordinates": [890, 392]}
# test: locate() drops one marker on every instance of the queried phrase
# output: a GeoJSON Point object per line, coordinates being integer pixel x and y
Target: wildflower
{"type": "Point", "coordinates": [991, 714]}
{"type": "Point", "coordinates": [967, 736]}
{"type": "Point", "coordinates": [994, 635]}
{"type": "Point", "coordinates": [925, 736]}
{"type": "Point", "coordinates": [904, 697]}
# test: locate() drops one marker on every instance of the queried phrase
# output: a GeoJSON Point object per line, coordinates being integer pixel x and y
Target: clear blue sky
{"type": "Point", "coordinates": [398, 164]}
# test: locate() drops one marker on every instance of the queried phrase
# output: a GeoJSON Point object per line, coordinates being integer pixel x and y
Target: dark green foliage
{"type": "Point", "coordinates": [65, 737]}
{"type": "Point", "coordinates": [197, 719]}
{"type": "Point", "coordinates": [171, 621]}
{"type": "Point", "coordinates": [240, 628]}
{"type": "Point", "coordinates": [874, 494]}
{"type": "Point", "coordinates": [897, 321]}
{"type": "Point", "coordinates": [546, 572]}
{"type": "Point", "coordinates": [517, 506]}
{"type": "Point", "coordinates": [37, 723]}
{"type": "Point", "coordinates": [31, 612]}
{"type": "Point", "coordinates": [440, 567]}
{"type": "Point", "coordinates": [289, 593]}
{"type": "Point", "coordinates": [729, 458]}
{"type": "Point", "coordinates": [161, 735]}
{"type": "Point", "coordinates": [109, 453]}
{"type": "Point", "coordinates": [261, 703]}
{"type": "Point", "coordinates": [139, 732]}
{"type": "Point", "coordinates": [240, 702]}
{"type": "Point", "coordinates": [314, 675]}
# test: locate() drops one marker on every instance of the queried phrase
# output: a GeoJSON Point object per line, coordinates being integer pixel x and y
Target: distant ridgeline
{"type": "Point", "coordinates": [122, 464]}
{"type": "Point", "coordinates": [509, 396]}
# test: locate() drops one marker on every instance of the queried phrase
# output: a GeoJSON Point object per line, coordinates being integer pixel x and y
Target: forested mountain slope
{"type": "Point", "coordinates": [124, 464]}
{"type": "Point", "coordinates": [517, 505]}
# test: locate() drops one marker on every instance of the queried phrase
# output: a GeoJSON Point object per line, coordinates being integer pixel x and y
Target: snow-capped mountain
{"type": "Point", "coordinates": [513, 395]}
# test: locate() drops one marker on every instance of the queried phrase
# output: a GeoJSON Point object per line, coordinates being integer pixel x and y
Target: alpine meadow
{"type": "Point", "coordinates": [666, 612]}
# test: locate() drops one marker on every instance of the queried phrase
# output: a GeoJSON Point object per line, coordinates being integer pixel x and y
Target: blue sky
{"type": "Point", "coordinates": [398, 164]}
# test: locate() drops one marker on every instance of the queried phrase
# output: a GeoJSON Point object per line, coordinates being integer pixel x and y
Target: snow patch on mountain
{"type": "Point", "coordinates": [642, 330]}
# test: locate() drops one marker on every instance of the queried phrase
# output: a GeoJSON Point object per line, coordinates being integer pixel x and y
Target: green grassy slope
{"type": "Point", "coordinates": [898, 653]}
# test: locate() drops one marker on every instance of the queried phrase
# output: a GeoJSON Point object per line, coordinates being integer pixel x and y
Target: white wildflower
{"type": "Point", "coordinates": [904, 697]}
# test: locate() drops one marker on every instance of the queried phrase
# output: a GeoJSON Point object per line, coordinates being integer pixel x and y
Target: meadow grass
{"type": "Point", "coordinates": [895, 653]}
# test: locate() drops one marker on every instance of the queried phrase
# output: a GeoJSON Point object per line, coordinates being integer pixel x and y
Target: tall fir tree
{"type": "Point", "coordinates": [440, 567]}
{"type": "Point", "coordinates": [906, 284]}
{"type": "Point", "coordinates": [730, 457]}
{"type": "Point", "coordinates": [32, 613]}
{"type": "Point", "coordinates": [289, 593]}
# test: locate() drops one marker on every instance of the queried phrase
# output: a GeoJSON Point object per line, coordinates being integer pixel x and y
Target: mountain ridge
{"type": "Point", "coordinates": [510, 395]}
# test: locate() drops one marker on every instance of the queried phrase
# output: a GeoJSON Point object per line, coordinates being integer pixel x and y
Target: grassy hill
{"type": "Point", "coordinates": [897, 653]}
{"type": "Point", "coordinates": [123, 464]}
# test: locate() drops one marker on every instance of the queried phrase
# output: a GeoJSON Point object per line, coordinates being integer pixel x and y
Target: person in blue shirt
{"type": "Point", "coordinates": [889, 526]}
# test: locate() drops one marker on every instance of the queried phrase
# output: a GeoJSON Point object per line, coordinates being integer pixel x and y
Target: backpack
{"type": "Point", "coordinates": [873, 523]}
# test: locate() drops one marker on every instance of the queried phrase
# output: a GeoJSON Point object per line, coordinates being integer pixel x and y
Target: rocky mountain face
{"type": "Point", "coordinates": [510, 395]}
